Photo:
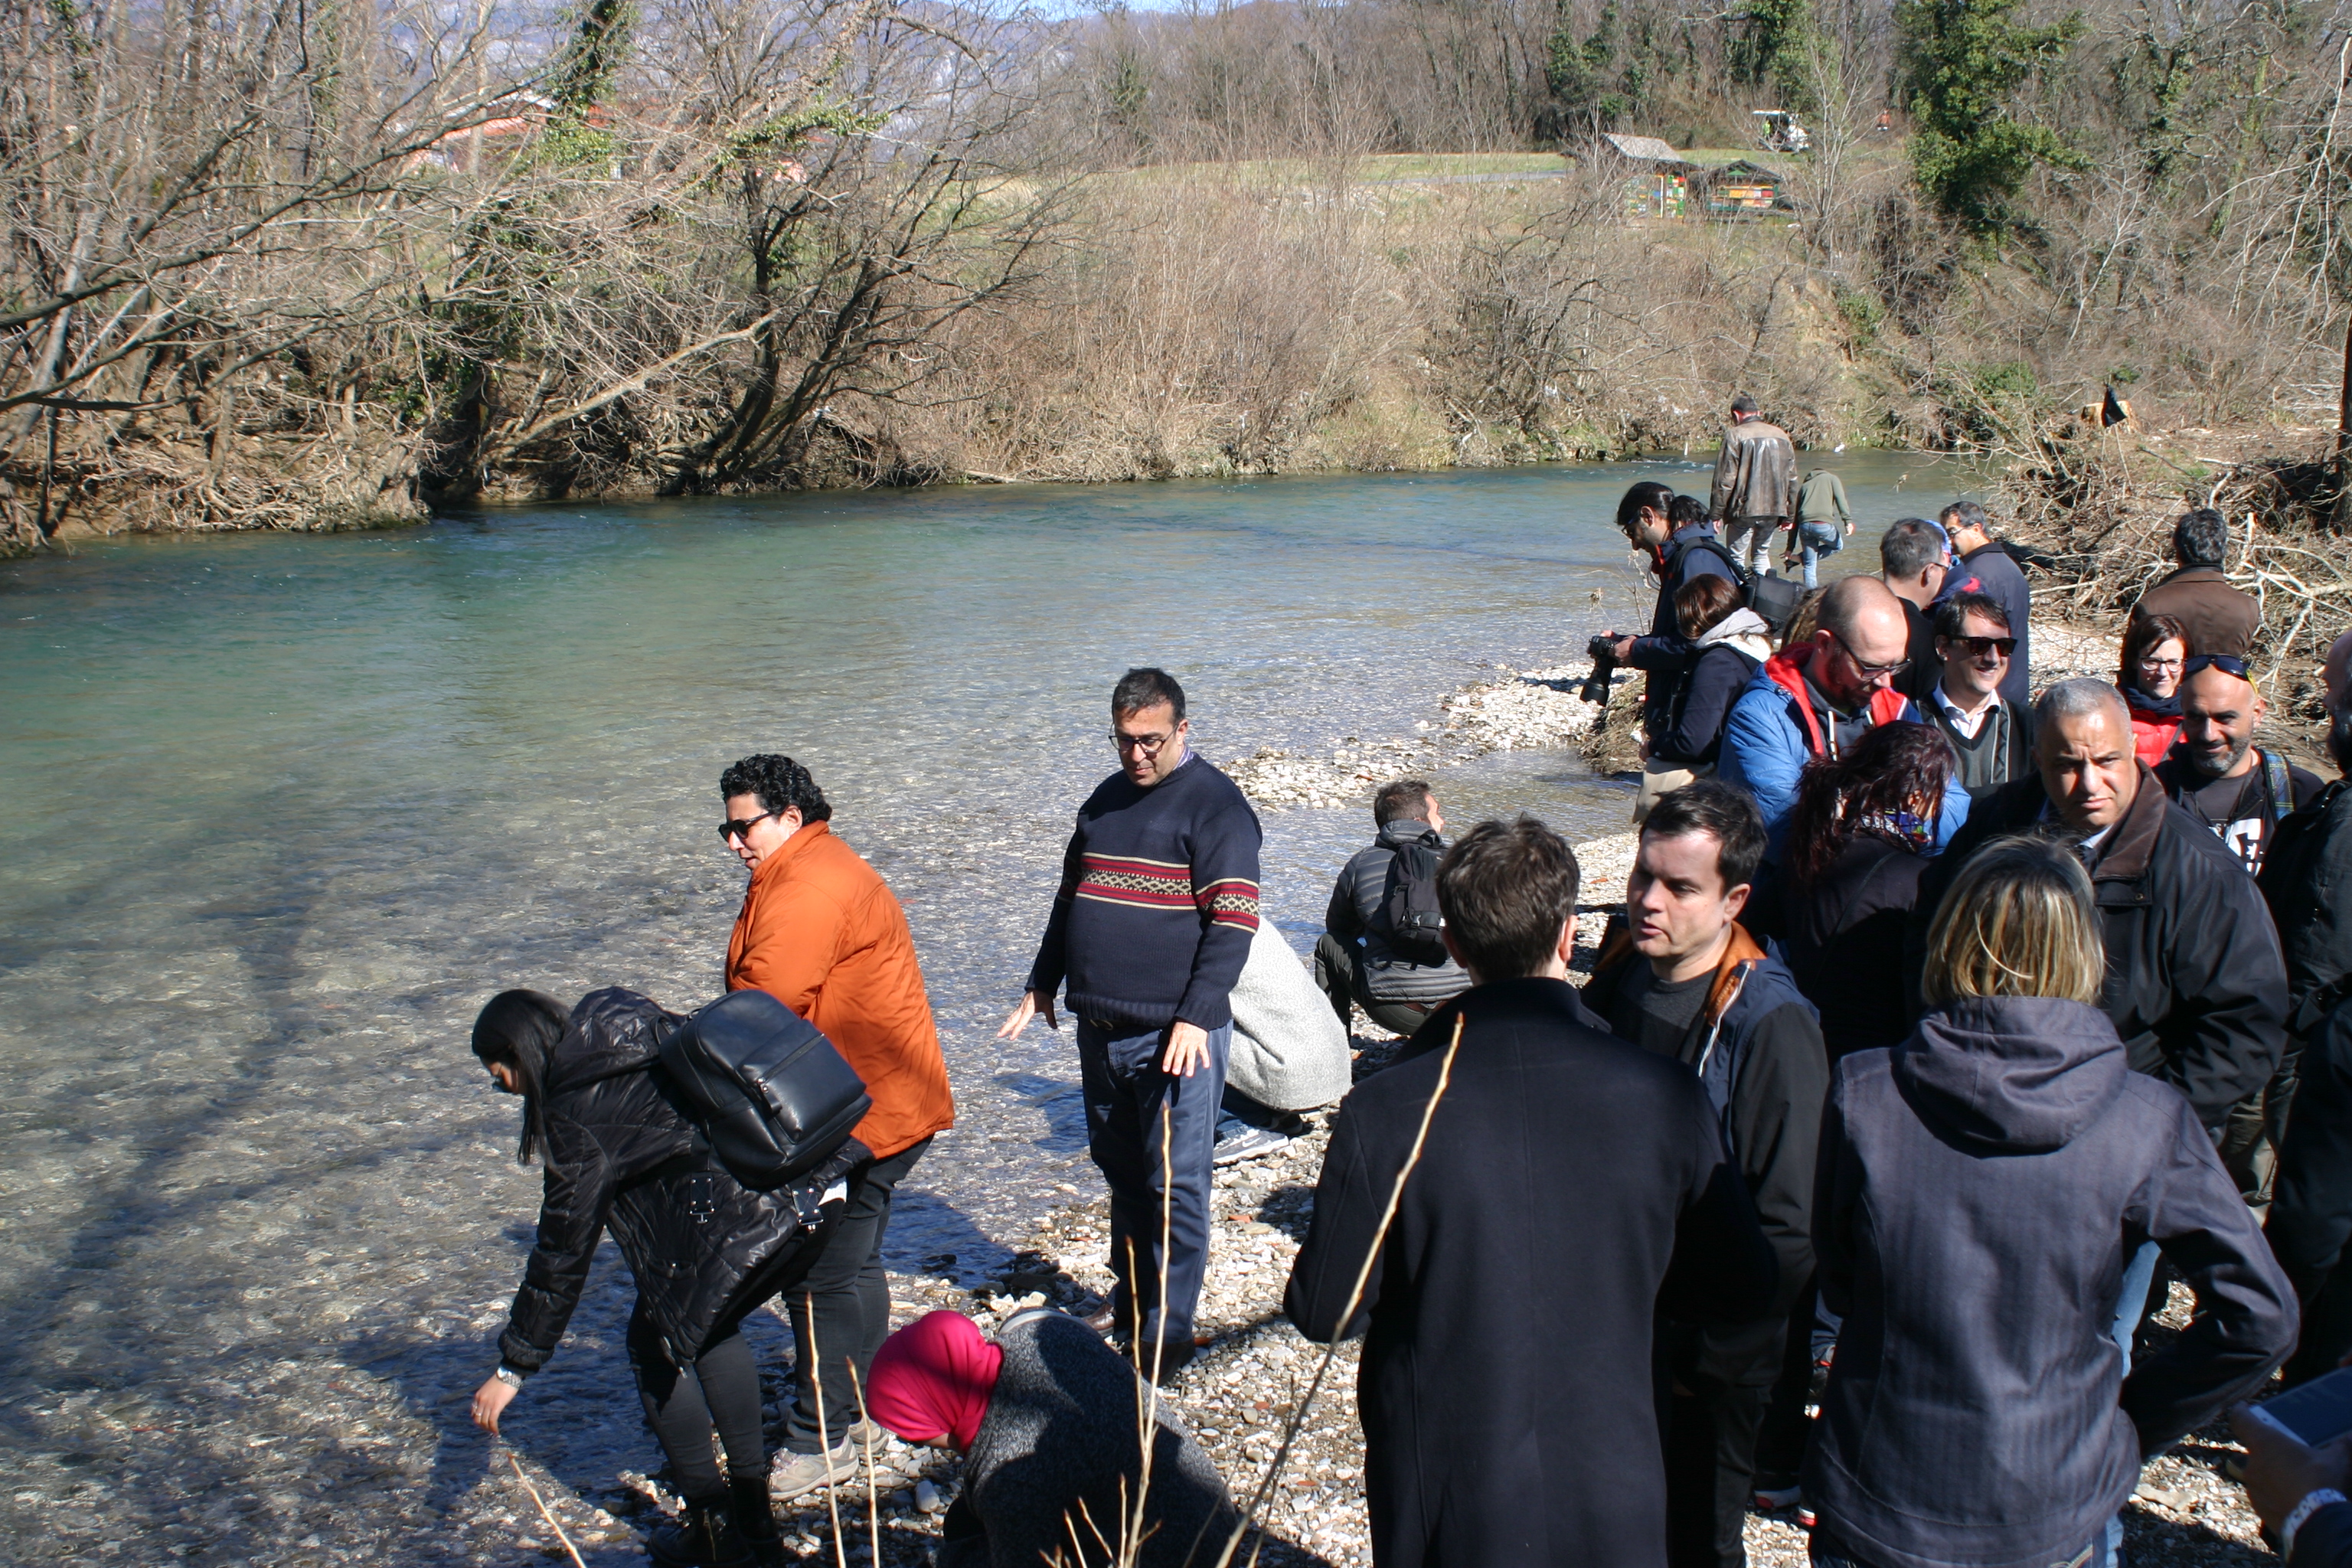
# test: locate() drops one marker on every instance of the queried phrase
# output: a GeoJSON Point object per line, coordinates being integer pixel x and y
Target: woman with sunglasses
{"type": "Point", "coordinates": [2155, 650]}
{"type": "Point", "coordinates": [703, 1250]}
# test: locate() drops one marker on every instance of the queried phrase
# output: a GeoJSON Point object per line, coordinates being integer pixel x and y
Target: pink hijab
{"type": "Point", "coordinates": [933, 1379]}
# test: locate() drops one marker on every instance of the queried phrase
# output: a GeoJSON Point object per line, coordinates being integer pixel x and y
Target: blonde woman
{"type": "Point", "coordinates": [1981, 1189]}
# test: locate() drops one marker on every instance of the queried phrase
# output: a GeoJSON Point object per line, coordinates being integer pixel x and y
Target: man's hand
{"type": "Point", "coordinates": [1032, 1003]}
{"type": "Point", "coordinates": [1622, 648]}
{"type": "Point", "coordinates": [1188, 1049]}
{"type": "Point", "coordinates": [2281, 1471]}
{"type": "Point", "coordinates": [491, 1399]}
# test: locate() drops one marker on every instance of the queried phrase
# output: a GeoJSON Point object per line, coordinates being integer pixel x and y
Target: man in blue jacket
{"type": "Point", "coordinates": [1815, 699]}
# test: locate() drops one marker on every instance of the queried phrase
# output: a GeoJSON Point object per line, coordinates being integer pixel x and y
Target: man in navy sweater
{"type": "Point", "coordinates": [1149, 930]}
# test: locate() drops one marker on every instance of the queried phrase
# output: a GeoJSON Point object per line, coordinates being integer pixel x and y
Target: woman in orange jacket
{"type": "Point", "coordinates": [821, 932]}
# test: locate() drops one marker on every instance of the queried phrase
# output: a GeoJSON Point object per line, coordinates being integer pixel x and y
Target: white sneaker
{"type": "Point", "coordinates": [1237, 1139]}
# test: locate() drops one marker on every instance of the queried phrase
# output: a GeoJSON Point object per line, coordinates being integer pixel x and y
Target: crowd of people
{"type": "Point", "coordinates": [1947, 1024]}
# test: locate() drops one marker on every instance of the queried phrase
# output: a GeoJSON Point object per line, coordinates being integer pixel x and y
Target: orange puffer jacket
{"type": "Point", "coordinates": [821, 933]}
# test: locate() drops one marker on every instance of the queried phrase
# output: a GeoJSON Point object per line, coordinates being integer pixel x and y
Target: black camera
{"type": "Point", "coordinates": [1603, 652]}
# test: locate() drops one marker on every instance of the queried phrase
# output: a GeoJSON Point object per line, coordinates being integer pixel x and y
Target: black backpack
{"type": "Point", "coordinates": [1409, 915]}
{"type": "Point", "coordinates": [1774, 599]}
{"type": "Point", "coordinates": [769, 1092]}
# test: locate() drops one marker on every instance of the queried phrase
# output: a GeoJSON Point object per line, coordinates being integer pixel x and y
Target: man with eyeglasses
{"type": "Point", "coordinates": [1991, 736]}
{"type": "Point", "coordinates": [1913, 557]}
{"type": "Point", "coordinates": [821, 933]}
{"type": "Point", "coordinates": [1815, 699]}
{"type": "Point", "coordinates": [1984, 566]}
{"type": "Point", "coordinates": [2217, 772]}
{"type": "Point", "coordinates": [1150, 928]}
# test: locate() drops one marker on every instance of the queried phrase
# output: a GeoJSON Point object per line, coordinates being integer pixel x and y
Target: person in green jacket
{"type": "Point", "coordinates": [1822, 511]}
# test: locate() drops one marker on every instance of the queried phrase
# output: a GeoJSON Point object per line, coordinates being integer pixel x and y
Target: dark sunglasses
{"type": "Point", "coordinates": [2227, 663]}
{"type": "Point", "coordinates": [731, 830]}
{"type": "Point", "coordinates": [1978, 646]}
{"type": "Point", "coordinates": [1868, 671]}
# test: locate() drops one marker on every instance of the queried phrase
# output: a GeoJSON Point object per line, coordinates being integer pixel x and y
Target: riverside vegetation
{"type": "Point", "coordinates": [316, 265]}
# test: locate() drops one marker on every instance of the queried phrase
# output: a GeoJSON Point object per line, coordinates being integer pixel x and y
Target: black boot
{"type": "Point", "coordinates": [704, 1537]}
{"type": "Point", "coordinates": [754, 1519]}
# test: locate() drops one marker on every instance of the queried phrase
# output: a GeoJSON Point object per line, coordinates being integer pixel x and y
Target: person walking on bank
{"type": "Point", "coordinates": [821, 933]}
{"type": "Point", "coordinates": [1398, 977]}
{"type": "Point", "coordinates": [1817, 698]}
{"type": "Point", "coordinates": [703, 1250]}
{"type": "Point", "coordinates": [1983, 1186]}
{"type": "Point", "coordinates": [1986, 567]}
{"type": "Point", "coordinates": [1150, 928]}
{"type": "Point", "coordinates": [2217, 772]}
{"type": "Point", "coordinates": [1913, 557]}
{"type": "Point", "coordinates": [1990, 735]}
{"type": "Point", "coordinates": [1687, 981]}
{"type": "Point", "coordinates": [1755, 489]}
{"type": "Point", "coordinates": [2156, 650]}
{"type": "Point", "coordinates": [1858, 845]}
{"type": "Point", "coordinates": [1568, 1186]}
{"type": "Point", "coordinates": [1048, 1421]}
{"type": "Point", "coordinates": [1731, 644]}
{"type": "Point", "coordinates": [1824, 523]}
{"type": "Point", "coordinates": [2216, 618]}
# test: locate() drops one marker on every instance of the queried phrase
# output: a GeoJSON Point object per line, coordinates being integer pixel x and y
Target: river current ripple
{"type": "Point", "coordinates": [284, 811]}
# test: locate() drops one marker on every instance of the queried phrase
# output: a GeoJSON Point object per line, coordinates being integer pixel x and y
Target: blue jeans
{"type": "Point", "coordinates": [1153, 1137]}
{"type": "Point", "coordinates": [1813, 540]}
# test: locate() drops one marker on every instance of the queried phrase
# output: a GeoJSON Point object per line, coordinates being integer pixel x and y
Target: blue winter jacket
{"type": "Point", "coordinates": [1768, 743]}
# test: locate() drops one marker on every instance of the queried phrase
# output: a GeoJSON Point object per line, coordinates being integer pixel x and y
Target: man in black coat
{"type": "Point", "coordinates": [1687, 981]}
{"type": "Point", "coordinates": [2195, 984]}
{"type": "Point", "coordinates": [1560, 1188]}
{"type": "Point", "coordinates": [1684, 547]}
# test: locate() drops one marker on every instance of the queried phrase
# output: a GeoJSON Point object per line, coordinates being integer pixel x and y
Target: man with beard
{"type": "Point", "coordinates": [2217, 772]}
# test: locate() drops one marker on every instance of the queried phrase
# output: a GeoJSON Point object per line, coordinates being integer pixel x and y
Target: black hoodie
{"type": "Point", "coordinates": [1981, 1189]}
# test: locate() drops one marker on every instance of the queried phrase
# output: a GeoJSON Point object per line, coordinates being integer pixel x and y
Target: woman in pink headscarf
{"type": "Point", "coordinates": [1047, 1420]}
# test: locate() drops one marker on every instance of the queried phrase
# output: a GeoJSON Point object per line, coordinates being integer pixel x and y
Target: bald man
{"type": "Point", "coordinates": [2195, 982]}
{"type": "Point", "coordinates": [1817, 698]}
{"type": "Point", "coordinates": [2216, 772]}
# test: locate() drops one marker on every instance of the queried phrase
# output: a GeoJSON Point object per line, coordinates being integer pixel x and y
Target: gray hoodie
{"type": "Point", "coordinates": [1980, 1188]}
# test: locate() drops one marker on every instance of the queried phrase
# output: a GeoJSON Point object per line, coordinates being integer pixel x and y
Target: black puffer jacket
{"type": "Point", "coordinates": [2195, 984]}
{"type": "Point", "coordinates": [1354, 916]}
{"type": "Point", "coordinates": [619, 1151]}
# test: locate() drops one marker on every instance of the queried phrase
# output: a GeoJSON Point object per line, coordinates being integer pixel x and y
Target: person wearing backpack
{"type": "Point", "coordinates": [1382, 948]}
{"type": "Point", "coordinates": [821, 933]}
{"type": "Point", "coordinates": [620, 1151]}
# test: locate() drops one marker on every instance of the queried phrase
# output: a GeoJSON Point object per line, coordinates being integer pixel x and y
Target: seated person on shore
{"type": "Point", "coordinates": [2217, 772]}
{"type": "Point", "coordinates": [2216, 618]}
{"type": "Point", "coordinates": [1288, 1054]}
{"type": "Point", "coordinates": [1047, 1419]}
{"type": "Point", "coordinates": [1732, 643]}
{"type": "Point", "coordinates": [1991, 737]}
{"type": "Point", "coordinates": [1817, 698]}
{"type": "Point", "coordinates": [1362, 960]}
{"type": "Point", "coordinates": [1568, 1187]}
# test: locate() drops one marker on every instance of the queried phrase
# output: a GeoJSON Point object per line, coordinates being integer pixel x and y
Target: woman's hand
{"type": "Point", "coordinates": [491, 1401]}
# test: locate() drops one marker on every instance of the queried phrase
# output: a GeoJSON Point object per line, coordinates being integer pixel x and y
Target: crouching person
{"type": "Point", "coordinates": [1047, 1420]}
{"type": "Point", "coordinates": [704, 1249]}
{"type": "Point", "coordinates": [1558, 1185]}
{"type": "Point", "coordinates": [1981, 1187]}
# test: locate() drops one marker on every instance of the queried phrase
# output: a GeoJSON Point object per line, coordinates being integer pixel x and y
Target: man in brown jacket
{"type": "Point", "coordinates": [2217, 617]}
{"type": "Point", "coordinates": [1754, 493]}
{"type": "Point", "coordinates": [821, 932]}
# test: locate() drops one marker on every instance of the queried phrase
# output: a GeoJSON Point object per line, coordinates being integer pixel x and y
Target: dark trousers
{"type": "Point", "coordinates": [1711, 1450]}
{"type": "Point", "coordinates": [684, 1404]}
{"type": "Point", "coordinates": [842, 1306]}
{"type": "Point", "coordinates": [1781, 1442]}
{"type": "Point", "coordinates": [1153, 1137]}
{"type": "Point", "coordinates": [1341, 974]}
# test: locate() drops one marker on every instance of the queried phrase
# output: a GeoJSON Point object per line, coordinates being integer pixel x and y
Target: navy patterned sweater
{"type": "Point", "coordinates": [1157, 902]}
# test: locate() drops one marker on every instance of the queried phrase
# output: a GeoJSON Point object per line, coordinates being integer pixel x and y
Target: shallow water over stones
{"type": "Point", "coordinates": [284, 811]}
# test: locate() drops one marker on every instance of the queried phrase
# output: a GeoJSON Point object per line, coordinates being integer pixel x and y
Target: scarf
{"type": "Point", "coordinates": [933, 1379]}
{"type": "Point", "coordinates": [1903, 828]}
{"type": "Point", "coordinates": [2143, 706]}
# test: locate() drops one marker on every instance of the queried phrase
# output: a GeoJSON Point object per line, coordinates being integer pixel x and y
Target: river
{"type": "Point", "coordinates": [283, 811]}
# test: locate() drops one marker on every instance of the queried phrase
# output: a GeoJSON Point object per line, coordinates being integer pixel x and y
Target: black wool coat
{"type": "Point", "coordinates": [2311, 1218]}
{"type": "Point", "coordinates": [1571, 1188]}
{"type": "Point", "coordinates": [620, 1151]}
{"type": "Point", "coordinates": [2195, 986]}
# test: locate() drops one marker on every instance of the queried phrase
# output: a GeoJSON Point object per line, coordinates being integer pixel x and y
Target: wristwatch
{"type": "Point", "coordinates": [2312, 1503]}
{"type": "Point", "coordinates": [509, 1375]}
